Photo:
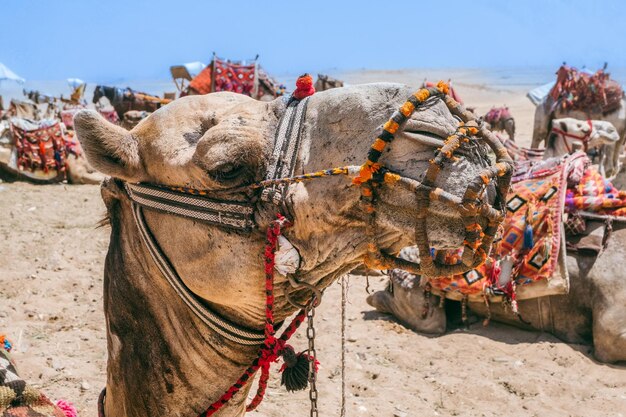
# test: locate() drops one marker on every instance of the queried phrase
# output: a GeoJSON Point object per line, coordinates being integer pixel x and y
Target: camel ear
{"type": "Point", "coordinates": [111, 149]}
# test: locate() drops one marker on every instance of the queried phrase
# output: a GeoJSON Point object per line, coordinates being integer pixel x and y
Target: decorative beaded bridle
{"type": "Point", "coordinates": [203, 206]}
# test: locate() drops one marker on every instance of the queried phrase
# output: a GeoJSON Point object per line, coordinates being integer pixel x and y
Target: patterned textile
{"type": "Point", "coordinates": [40, 148]}
{"type": "Point", "coordinates": [519, 153]}
{"type": "Point", "coordinates": [67, 117]}
{"type": "Point", "coordinates": [233, 77]}
{"type": "Point", "coordinates": [577, 90]}
{"type": "Point", "coordinates": [534, 203]}
{"type": "Point", "coordinates": [596, 194]}
{"type": "Point", "coordinates": [17, 398]}
{"type": "Point", "coordinates": [496, 114]}
{"type": "Point", "coordinates": [201, 83]}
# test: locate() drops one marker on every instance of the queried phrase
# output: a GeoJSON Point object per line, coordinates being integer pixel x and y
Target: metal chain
{"type": "Point", "coordinates": [344, 297]}
{"type": "Point", "coordinates": [310, 334]}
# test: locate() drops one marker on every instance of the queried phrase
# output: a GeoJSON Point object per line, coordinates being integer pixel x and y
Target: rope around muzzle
{"type": "Point", "coordinates": [477, 241]}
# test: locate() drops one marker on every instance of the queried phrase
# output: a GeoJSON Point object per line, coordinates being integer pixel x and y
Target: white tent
{"type": "Point", "coordinates": [7, 75]}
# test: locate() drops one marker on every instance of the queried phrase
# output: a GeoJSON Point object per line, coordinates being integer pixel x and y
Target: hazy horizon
{"type": "Point", "coordinates": [119, 40]}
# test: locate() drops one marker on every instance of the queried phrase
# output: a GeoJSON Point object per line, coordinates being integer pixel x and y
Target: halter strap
{"type": "Point", "coordinates": [584, 139]}
{"type": "Point", "coordinates": [229, 330]}
{"type": "Point", "coordinates": [229, 214]}
{"type": "Point", "coordinates": [286, 147]}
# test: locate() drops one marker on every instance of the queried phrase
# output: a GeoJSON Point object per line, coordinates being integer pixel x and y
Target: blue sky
{"type": "Point", "coordinates": [140, 39]}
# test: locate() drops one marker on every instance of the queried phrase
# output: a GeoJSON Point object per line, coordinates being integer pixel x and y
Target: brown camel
{"type": "Point", "coordinates": [163, 357]}
{"type": "Point", "coordinates": [545, 114]}
{"type": "Point", "coordinates": [324, 82]}
{"type": "Point", "coordinates": [593, 312]}
{"type": "Point", "coordinates": [500, 120]}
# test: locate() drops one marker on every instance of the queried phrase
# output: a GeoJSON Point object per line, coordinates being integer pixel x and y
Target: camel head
{"type": "Point", "coordinates": [222, 142]}
{"type": "Point", "coordinates": [595, 132]}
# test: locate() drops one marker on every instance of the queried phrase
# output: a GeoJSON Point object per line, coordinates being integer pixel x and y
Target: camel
{"type": "Point", "coordinates": [568, 135]}
{"type": "Point", "coordinates": [77, 169]}
{"type": "Point", "coordinates": [132, 118]}
{"type": "Point", "coordinates": [545, 114]}
{"type": "Point", "coordinates": [126, 99]}
{"type": "Point", "coordinates": [163, 358]}
{"type": "Point", "coordinates": [324, 82]}
{"type": "Point", "coordinates": [593, 312]}
{"type": "Point", "coordinates": [585, 134]}
{"type": "Point", "coordinates": [500, 120]}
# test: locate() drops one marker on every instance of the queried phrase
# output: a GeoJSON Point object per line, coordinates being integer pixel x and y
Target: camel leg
{"type": "Point", "coordinates": [509, 127]}
{"type": "Point", "coordinates": [540, 129]}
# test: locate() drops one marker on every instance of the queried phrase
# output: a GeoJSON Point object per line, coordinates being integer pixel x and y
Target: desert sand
{"type": "Point", "coordinates": [51, 272]}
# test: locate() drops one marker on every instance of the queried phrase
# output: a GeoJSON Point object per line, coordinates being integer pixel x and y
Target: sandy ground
{"type": "Point", "coordinates": [51, 268]}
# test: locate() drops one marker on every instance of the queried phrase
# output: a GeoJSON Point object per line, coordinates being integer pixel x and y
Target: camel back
{"type": "Point", "coordinates": [529, 259]}
{"type": "Point", "coordinates": [591, 93]}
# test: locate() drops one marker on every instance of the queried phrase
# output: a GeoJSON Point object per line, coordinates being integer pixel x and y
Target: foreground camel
{"type": "Point", "coordinates": [594, 311]}
{"type": "Point", "coordinates": [163, 359]}
{"type": "Point", "coordinates": [544, 115]}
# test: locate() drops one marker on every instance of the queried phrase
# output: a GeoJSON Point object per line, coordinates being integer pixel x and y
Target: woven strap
{"type": "Point", "coordinates": [286, 146]}
{"type": "Point", "coordinates": [230, 331]}
{"type": "Point", "coordinates": [230, 214]}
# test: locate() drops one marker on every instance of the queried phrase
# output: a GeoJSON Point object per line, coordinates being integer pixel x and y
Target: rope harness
{"type": "Point", "coordinates": [583, 139]}
{"type": "Point", "coordinates": [202, 205]}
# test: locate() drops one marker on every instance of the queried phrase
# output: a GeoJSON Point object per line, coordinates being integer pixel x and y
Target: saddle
{"type": "Point", "coordinates": [530, 248]}
{"type": "Point", "coordinates": [40, 145]}
{"type": "Point", "coordinates": [497, 114]}
{"type": "Point", "coordinates": [578, 90]}
{"type": "Point", "coordinates": [555, 206]}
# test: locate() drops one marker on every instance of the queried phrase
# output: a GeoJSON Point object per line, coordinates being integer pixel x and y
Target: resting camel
{"type": "Point", "coordinates": [126, 99]}
{"type": "Point", "coordinates": [324, 82]}
{"type": "Point", "coordinates": [500, 120]}
{"type": "Point", "coordinates": [78, 170]}
{"type": "Point", "coordinates": [163, 358]}
{"type": "Point", "coordinates": [594, 311]}
{"type": "Point", "coordinates": [544, 115]}
{"type": "Point", "coordinates": [566, 134]}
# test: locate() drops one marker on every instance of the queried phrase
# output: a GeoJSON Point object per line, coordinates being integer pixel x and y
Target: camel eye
{"type": "Point", "coordinates": [227, 172]}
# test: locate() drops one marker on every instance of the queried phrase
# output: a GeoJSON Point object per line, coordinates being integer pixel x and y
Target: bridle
{"type": "Point", "coordinates": [583, 139]}
{"type": "Point", "coordinates": [211, 208]}
{"type": "Point", "coordinates": [203, 205]}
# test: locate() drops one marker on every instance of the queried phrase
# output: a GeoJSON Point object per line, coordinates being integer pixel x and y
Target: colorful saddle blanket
{"type": "Point", "coordinates": [596, 194]}
{"type": "Point", "coordinates": [40, 146]}
{"type": "Point", "coordinates": [530, 241]}
{"type": "Point", "coordinates": [519, 153]}
{"type": "Point", "coordinates": [233, 77]}
{"type": "Point", "coordinates": [496, 114]}
{"type": "Point", "coordinates": [19, 399]}
{"type": "Point", "coordinates": [591, 93]}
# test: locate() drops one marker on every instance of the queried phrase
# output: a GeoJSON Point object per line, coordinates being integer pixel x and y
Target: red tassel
{"type": "Point", "coordinates": [304, 87]}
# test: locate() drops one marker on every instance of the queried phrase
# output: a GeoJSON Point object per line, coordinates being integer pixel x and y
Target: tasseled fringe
{"type": "Point", "coordinates": [427, 293]}
{"type": "Point", "coordinates": [488, 318]}
{"type": "Point", "coordinates": [295, 370]}
{"type": "Point", "coordinates": [528, 232]}
{"type": "Point", "coordinates": [464, 311]}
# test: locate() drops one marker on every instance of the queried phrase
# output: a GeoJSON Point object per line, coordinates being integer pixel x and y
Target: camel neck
{"type": "Point", "coordinates": [161, 356]}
